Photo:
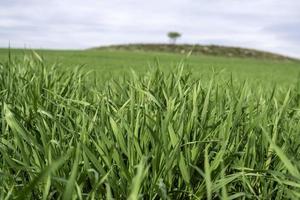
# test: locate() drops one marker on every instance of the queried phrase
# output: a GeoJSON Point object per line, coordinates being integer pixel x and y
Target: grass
{"type": "Point", "coordinates": [113, 63]}
{"type": "Point", "coordinates": [155, 135]}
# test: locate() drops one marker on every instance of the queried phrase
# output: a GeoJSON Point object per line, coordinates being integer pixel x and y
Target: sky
{"type": "Point", "coordinates": [271, 25]}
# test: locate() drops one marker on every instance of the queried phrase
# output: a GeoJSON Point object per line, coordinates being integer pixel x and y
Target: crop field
{"type": "Point", "coordinates": [112, 63]}
{"type": "Point", "coordinates": [170, 128]}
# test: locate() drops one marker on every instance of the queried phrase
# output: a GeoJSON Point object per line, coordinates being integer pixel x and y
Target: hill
{"type": "Point", "coordinates": [211, 50]}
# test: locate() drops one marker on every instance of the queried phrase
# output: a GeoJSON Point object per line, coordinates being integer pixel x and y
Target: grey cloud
{"type": "Point", "coordinates": [288, 31]}
{"type": "Point", "coordinates": [266, 24]}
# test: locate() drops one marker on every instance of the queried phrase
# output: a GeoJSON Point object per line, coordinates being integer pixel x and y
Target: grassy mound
{"type": "Point", "coordinates": [212, 50]}
{"type": "Point", "coordinates": [146, 136]}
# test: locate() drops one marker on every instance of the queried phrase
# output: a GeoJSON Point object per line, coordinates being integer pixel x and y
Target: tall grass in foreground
{"type": "Point", "coordinates": [156, 136]}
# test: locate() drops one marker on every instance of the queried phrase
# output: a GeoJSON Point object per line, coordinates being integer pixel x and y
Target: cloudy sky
{"type": "Point", "coordinates": [272, 25]}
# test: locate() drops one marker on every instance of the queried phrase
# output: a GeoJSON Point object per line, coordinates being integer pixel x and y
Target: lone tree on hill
{"type": "Point", "coordinates": [174, 36]}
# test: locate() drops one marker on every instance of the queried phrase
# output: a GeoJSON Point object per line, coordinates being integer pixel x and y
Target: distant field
{"type": "Point", "coordinates": [107, 63]}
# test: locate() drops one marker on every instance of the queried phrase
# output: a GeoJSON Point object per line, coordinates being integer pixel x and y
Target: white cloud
{"type": "Point", "coordinates": [264, 24]}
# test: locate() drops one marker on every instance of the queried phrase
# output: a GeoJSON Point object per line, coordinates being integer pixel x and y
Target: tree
{"type": "Point", "coordinates": [174, 36]}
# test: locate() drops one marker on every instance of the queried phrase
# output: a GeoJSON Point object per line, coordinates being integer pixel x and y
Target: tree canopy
{"type": "Point", "coordinates": [174, 36]}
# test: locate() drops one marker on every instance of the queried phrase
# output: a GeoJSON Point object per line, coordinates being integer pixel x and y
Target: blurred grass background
{"type": "Point", "coordinates": [111, 62]}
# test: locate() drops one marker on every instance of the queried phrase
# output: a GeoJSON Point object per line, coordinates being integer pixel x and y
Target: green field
{"type": "Point", "coordinates": [113, 62]}
{"type": "Point", "coordinates": [166, 131]}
